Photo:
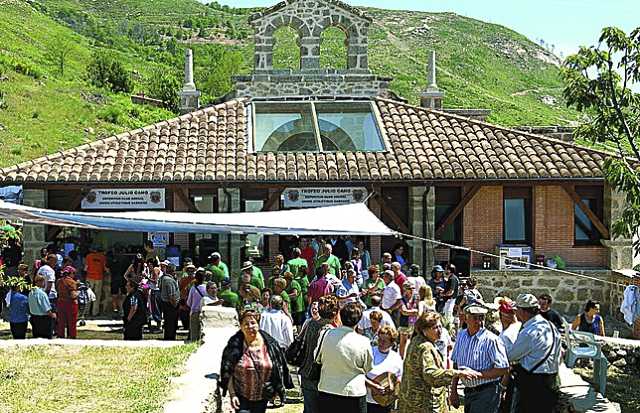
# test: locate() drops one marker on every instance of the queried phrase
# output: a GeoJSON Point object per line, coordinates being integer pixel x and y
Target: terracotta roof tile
{"type": "Point", "coordinates": [211, 145]}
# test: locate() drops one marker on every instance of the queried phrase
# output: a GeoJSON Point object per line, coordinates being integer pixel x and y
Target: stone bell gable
{"type": "Point", "coordinates": [310, 18]}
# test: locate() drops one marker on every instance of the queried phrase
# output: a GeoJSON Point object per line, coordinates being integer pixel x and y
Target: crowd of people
{"type": "Point", "coordinates": [382, 336]}
{"type": "Point", "coordinates": [363, 336]}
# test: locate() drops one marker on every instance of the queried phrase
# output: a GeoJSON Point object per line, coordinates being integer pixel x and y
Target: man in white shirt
{"type": "Point", "coordinates": [276, 323]}
{"type": "Point", "coordinates": [391, 295]}
{"type": "Point", "coordinates": [365, 321]}
{"type": "Point", "coordinates": [49, 274]}
{"type": "Point", "coordinates": [510, 325]}
{"type": "Point", "coordinates": [346, 358]}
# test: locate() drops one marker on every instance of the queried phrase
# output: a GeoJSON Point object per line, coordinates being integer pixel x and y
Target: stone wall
{"type": "Point", "coordinates": [310, 18]}
{"type": "Point", "coordinates": [34, 235]}
{"type": "Point", "coordinates": [569, 293]}
{"type": "Point", "coordinates": [563, 133]}
{"type": "Point", "coordinates": [321, 82]}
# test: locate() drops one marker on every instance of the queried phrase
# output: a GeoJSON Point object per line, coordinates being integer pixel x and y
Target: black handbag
{"type": "Point", "coordinates": [296, 351]}
{"type": "Point", "coordinates": [316, 367]}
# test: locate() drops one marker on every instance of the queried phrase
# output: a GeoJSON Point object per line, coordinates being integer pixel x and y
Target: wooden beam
{"type": "Point", "coordinates": [402, 227]}
{"type": "Point", "coordinates": [273, 200]}
{"type": "Point", "coordinates": [602, 229]}
{"type": "Point", "coordinates": [448, 220]}
{"type": "Point", "coordinates": [184, 197]}
{"type": "Point", "coordinates": [74, 205]}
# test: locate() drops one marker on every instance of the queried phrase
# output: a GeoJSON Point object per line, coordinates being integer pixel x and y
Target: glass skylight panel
{"type": "Point", "coordinates": [285, 127]}
{"type": "Point", "coordinates": [316, 126]}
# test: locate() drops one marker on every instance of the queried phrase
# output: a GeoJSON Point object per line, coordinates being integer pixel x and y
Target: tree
{"type": "Point", "coordinates": [599, 82]}
{"type": "Point", "coordinates": [8, 232]}
{"type": "Point", "coordinates": [59, 54]}
{"type": "Point", "coordinates": [165, 86]}
{"type": "Point", "coordinates": [106, 71]}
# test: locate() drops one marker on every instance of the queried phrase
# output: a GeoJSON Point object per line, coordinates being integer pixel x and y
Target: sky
{"type": "Point", "coordinates": [567, 24]}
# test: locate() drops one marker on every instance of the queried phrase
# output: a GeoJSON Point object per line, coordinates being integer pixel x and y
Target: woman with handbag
{"type": "Point", "coordinates": [310, 336]}
{"type": "Point", "coordinates": [253, 369]}
{"type": "Point", "coordinates": [424, 377]}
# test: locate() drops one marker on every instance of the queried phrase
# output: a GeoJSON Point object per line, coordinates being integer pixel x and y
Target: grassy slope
{"type": "Point", "coordinates": [480, 65]}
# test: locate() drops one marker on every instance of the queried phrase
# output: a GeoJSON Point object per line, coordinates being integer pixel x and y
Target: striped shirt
{"type": "Point", "coordinates": [482, 351]}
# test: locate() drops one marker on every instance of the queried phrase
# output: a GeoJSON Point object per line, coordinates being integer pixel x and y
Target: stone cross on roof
{"type": "Point", "coordinates": [189, 95]}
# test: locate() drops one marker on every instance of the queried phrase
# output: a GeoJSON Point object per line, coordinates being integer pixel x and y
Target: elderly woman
{"type": "Point", "coordinates": [373, 330]}
{"type": "Point", "coordinates": [134, 312]}
{"type": "Point", "coordinates": [254, 369]}
{"type": "Point", "coordinates": [67, 288]}
{"type": "Point", "coordinates": [388, 365]}
{"type": "Point", "coordinates": [425, 380]}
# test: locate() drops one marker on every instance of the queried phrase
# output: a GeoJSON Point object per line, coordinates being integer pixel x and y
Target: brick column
{"type": "Point", "coordinates": [230, 245]}
{"type": "Point", "coordinates": [34, 235]}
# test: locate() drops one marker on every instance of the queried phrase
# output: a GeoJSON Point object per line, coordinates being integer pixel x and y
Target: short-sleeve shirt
{"type": "Point", "coordinates": [50, 277]}
{"type": "Point", "coordinates": [482, 351]}
{"type": "Point", "coordinates": [368, 284]}
{"type": "Point", "coordinates": [18, 308]}
{"type": "Point", "coordinates": [297, 304]}
{"type": "Point", "coordinates": [66, 286]}
{"type": "Point", "coordinates": [95, 263]}
{"type": "Point", "coordinates": [218, 273]}
{"type": "Point", "coordinates": [295, 264]}
{"type": "Point", "coordinates": [332, 261]}
{"type": "Point", "coordinates": [230, 298]}
{"type": "Point", "coordinates": [39, 302]}
{"type": "Point", "coordinates": [382, 363]}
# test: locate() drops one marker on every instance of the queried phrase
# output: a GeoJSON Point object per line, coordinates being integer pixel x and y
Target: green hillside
{"type": "Point", "coordinates": [46, 107]}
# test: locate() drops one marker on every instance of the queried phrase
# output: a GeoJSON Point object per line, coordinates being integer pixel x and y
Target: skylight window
{"type": "Point", "coordinates": [315, 127]}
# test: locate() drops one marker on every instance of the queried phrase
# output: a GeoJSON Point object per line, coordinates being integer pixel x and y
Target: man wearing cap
{"type": "Point", "coordinates": [169, 298]}
{"type": "Point", "coordinates": [479, 349]}
{"type": "Point", "coordinates": [228, 297]}
{"type": "Point", "coordinates": [510, 325]}
{"type": "Point", "coordinates": [257, 278]}
{"type": "Point", "coordinates": [216, 261]}
{"type": "Point", "coordinates": [537, 352]}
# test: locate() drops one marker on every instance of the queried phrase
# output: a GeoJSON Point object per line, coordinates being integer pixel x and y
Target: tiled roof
{"type": "Point", "coordinates": [210, 145]}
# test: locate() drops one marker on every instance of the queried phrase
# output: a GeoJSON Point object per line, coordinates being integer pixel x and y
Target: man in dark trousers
{"type": "Point", "coordinates": [537, 354]}
{"type": "Point", "coordinates": [169, 297]}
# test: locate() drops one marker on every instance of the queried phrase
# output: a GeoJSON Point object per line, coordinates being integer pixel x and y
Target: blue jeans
{"type": "Point", "coordinates": [486, 400]}
{"type": "Point", "coordinates": [310, 395]}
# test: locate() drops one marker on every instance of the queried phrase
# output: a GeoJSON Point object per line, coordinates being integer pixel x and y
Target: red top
{"type": "Point", "coordinates": [252, 372]}
{"type": "Point", "coordinates": [96, 263]}
{"type": "Point", "coordinates": [309, 254]}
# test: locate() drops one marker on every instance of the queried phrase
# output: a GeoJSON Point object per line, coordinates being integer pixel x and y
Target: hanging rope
{"type": "Point", "coordinates": [488, 254]}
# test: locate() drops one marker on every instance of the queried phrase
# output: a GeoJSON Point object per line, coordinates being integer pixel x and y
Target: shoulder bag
{"type": "Point", "coordinates": [296, 351]}
{"type": "Point", "coordinates": [316, 367]}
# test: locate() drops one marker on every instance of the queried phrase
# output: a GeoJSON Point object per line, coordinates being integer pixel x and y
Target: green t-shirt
{"type": "Point", "coordinates": [369, 283]}
{"type": "Point", "coordinates": [332, 260]}
{"type": "Point", "coordinates": [230, 298]}
{"type": "Point", "coordinates": [297, 305]}
{"type": "Point", "coordinates": [257, 279]}
{"type": "Point", "coordinates": [304, 284]}
{"type": "Point", "coordinates": [218, 273]}
{"type": "Point", "coordinates": [295, 264]}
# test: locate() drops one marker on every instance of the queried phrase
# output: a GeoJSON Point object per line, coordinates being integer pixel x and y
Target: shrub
{"type": "Point", "coordinates": [106, 71]}
{"type": "Point", "coordinates": [165, 87]}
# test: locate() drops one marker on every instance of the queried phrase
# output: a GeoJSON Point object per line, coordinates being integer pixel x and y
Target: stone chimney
{"type": "Point", "coordinates": [432, 97]}
{"type": "Point", "coordinates": [189, 96]}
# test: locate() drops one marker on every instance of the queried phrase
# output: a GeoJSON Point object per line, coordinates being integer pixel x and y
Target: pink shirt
{"type": "Point", "coordinates": [195, 298]}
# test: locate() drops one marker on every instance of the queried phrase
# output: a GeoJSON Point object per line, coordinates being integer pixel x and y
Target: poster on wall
{"type": "Point", "coordinates": [322, 197]}
{"type": "Point", "coordinates": [159, 239]}
{"type": "Point", "coordinates": [125, 198]}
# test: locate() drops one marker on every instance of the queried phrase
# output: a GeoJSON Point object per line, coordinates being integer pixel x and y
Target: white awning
{"type": "Point", "coordinates": [352, 219]}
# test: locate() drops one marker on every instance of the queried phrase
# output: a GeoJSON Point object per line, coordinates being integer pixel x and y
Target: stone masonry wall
{"type": "Point", "coordinates": [569, 293]}
{"type": "Point", "coordinates": [326, 82]}
{"type": "Point", "coordinates": [310, 18]}
{"type": "Point", "coordinates": [34, 235]}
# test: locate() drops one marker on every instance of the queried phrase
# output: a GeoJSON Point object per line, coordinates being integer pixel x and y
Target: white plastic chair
{"type": "Point", "coordinates": [583, 345]}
